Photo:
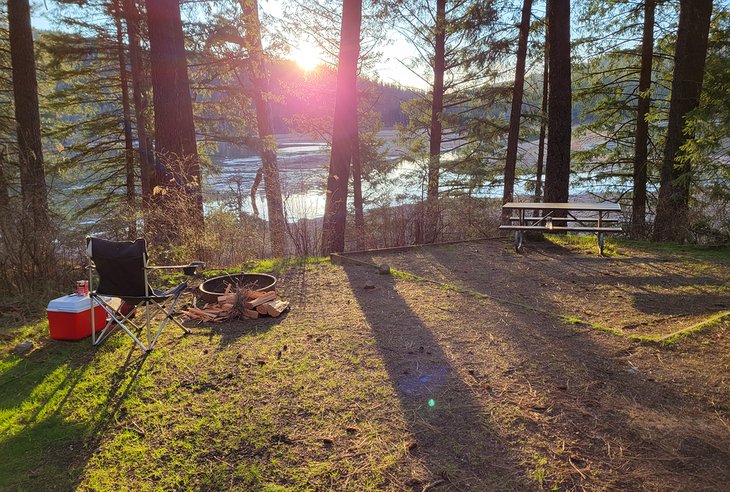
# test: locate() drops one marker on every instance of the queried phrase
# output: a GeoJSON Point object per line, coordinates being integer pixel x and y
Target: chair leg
{"type": "Point", "coordinates": [120, 321]}
{"type": "Point", "coordinates": [168, 316]}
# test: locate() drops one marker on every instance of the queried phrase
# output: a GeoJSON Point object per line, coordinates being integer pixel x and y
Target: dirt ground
{"type": "Point", "coordinates": [574, 406]}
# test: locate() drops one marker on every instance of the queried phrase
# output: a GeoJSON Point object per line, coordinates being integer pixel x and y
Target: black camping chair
{"type": "Point", "coordinates": [122, 268]}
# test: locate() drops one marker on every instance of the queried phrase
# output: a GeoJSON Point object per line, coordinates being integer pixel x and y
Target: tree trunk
{"type": "Point", "coordinates": [127, 117]}
{"type": "Point", "coordinates": [357, 190]}
{"type": "Point", "coordinates": [638, 200]}
{"type": "Point", "coordinates": [436, 129]}
{"type": "Point", "coordinates": [516, 111]}
{"type": "Point", "coordinates": [176, 149]}
{"type": "Point", "coordinates": [557, 169]}
{"type": "Point", "coordinates": [672, 221]}
{"type": "Point", "coordinates": [4, 192]}
{"type": "Point", "coordinates": [543, 125]}
{"type": "Point", "coordinates": [146, 157]}
{"type": "Point", "coordinates": [254, 190]}
{"type": "Point", "coordinates": [28, 123]}
{"type": "Point", "coordinates": [335, 212]}
{"type": "Point", "coordinates": [267, 142]}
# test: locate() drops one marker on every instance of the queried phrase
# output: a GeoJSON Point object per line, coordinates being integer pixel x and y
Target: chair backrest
{"type": "Point", "coordinates": [120, 265]}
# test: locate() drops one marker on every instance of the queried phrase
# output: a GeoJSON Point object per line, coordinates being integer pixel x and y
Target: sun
{"type": "Point", "coordinates": [306, 56]}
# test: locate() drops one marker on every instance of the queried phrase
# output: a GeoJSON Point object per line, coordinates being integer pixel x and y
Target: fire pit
{"type": "Point", "coordinates": [209, 290]}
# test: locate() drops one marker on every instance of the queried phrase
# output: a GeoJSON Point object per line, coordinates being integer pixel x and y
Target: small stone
{"type": "Point", "coordinates": [632, 370]}
{"type": "Point", "coordinates": [24, 347]}
{"type": "Point", "coordinates": [384, 269]}
{"type": "Point", "coordinates": [369, 285]}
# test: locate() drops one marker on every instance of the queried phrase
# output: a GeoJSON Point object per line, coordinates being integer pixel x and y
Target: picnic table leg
{"type": "Point", "coordinates": [601, 237]}
{"type": "Point", "coordinates": [518, 233]}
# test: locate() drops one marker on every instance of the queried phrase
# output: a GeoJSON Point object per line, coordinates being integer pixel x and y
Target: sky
{"type": "Point", "coordinates": [390, 69]}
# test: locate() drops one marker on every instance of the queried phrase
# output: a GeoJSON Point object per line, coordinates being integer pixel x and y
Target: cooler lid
{"type": "Point", "coordinates": [72, 303]}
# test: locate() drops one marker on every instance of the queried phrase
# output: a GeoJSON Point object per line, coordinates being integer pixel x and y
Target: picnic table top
{"type": "Point", "coordinates": [592, 207]}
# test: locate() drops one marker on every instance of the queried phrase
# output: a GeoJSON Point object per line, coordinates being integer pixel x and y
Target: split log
{"type": "Point", "coordinates": [269, 296]}
{"type": "Point", "coordinates": [250, 313]}
{"type": "Point", "coordinates": [275, 308]}
{"type": "Point", "coordinates": [239, 302]}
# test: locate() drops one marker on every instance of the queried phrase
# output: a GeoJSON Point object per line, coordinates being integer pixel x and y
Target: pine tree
{"type": "Point", "coordinates": [344, 130]}
{"type": "Point", "coordinates": [672, 220]}
{"type": "Point", "coordinates": [516, 112]}
{"type": "Point", "coordinates": [27, 119]}
{"type": "Point", "coordinates": [175, 143]}
{"type": "Point", "coordinates": [557, 168]}
{"type": "Point", "coordinates": [260, 93]}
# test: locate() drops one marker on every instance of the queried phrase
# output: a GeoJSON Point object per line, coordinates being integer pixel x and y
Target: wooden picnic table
{"type": "Point", "coordinates": [569, 217]}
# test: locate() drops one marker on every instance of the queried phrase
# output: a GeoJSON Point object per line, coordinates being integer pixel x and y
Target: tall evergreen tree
{"type": "Point", "coordinates": [344, 130]}
{"type": "Point", "coordinates": [267, 142]}
{"type": "Point", "coordinates": [516, 111]}
{"type": "Point", "coordinates": [672, 220]}
{"type": "Point", "coordinates": [436, 127]}
{"type": "Point", "coordinates": [131, 182]}
{"type": "Point", "coordinates": [557, 168]}
{"type": "Point", "coordinates": [458, 43]}
{"type": "Point", "coordinates": [175, 144]}
{"type": "Point", "coordinates": [543, 124]}
{"type": "Point", "coordinates": [132, 20]}
{"type": "Point", "coordinates": [27, 117]}
{"type": "Point", "coordinates": [638, 200]}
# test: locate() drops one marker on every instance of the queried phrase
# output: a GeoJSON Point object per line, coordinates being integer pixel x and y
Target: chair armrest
{"type": "Point", "coordinates": [188, 269]}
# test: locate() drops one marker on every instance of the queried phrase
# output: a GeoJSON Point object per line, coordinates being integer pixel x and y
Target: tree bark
{"type": "Point", "coordinates": [638, 200]}
{"type": "Point", "coordinates": [672, 221]}
{"type": "Point", "coordinates": [516, 111]}
{"type": "Point", "coordinates": [267, 142]}
{"type": "Point", "coordinates": [254, 190]}
{"type": "Point", "coordinates": [557, 169]}
{"type": "Point", "coordinates": [436, 128]}
{"type": "Point", "coordinates": [335, 214]}
{"type": "Point", "coordinates": [543, 125]}
{"type": "Point", "coordinates": [4, 192]}
{"type": "Point", "coordinates": [176, 149]}
{"type": "Point", "coordinates": [131, 194]}
{"type": "Point", "coordinates": [144, 143]}
{"type": "Point", "coordinates": [28, 123]}
{"type": "Point", "coordinates": [357, 190]}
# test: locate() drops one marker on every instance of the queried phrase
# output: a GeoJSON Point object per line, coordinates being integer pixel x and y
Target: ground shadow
{"type": "Point", "coordinates": [43, 448]}
{"type": "Point", "coordinates": [452, 435]}
{"type": "Point", "coordinates": [583, 380]}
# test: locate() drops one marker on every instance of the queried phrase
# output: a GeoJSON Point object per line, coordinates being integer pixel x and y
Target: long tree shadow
{"type": "Point", "coordinates": [451, 433]}
{"type": "Point", "coordinates": [43, 442]}
{"type": "Point", "coordinates": [588, 383]}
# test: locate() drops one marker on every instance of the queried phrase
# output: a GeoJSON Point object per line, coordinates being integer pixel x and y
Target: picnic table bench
{"type": "Point", "coordinates": [579, 217]}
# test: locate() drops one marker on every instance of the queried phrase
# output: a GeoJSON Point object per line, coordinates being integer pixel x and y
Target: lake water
{"type": "Point", "coordinates": [303, 165]}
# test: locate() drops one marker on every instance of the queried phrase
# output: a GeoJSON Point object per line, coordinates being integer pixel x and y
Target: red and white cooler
{"type": "Point", "coordinates": [69, 317]}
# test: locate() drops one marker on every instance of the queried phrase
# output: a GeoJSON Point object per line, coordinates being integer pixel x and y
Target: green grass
{"type": "Point", "coordinates": [574, 320]}
{"type": "Point", "coordinates": [274, 266]}
{"type": "Point", "coordinates": [679, 335]}
{"type": "Point", "coordinates": [242, 406]}
{"type": "Point", "coordinates": [585, 243]}
{"type": "Point", "coordinates": [616, 246]}
{"type": "Point", "coordinates": [679, 250]}
{"type": "Point", "coordinates": [277, 266]}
